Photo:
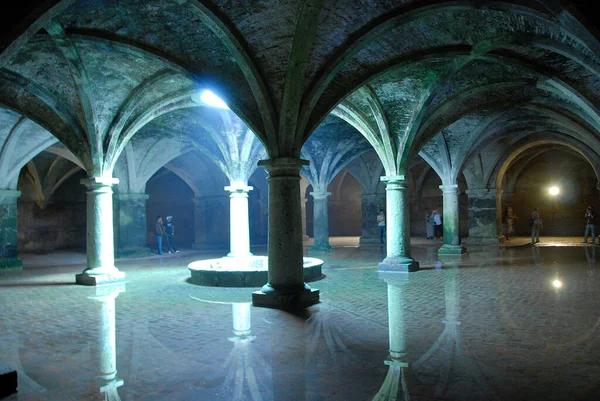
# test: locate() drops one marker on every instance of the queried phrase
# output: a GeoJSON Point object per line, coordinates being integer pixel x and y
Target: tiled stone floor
{"type": "Point", "coordinates": [487, 326]}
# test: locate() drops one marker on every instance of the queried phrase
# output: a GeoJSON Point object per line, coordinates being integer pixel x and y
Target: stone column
{"type": "Point", "coordinates": [100, 247]}
{"type": "Point", "coordinates": [132, 224]}
{"type": "Point", "coordinates": [106, 351]}
{"type": "Point", "coordinates": [239, 222]}
{"type": "Point", "coordinates": [303, 205]}
{"type": "Point", "coordinates": [370, 210]}
{"type": "Point", "coordinates": [451, 222]}
{"type": "Point", "coordinates": [286, 287]}
{"type": "Point", "coordinates": [8, 230]}
{"type": "Point", "coordinates": [321, 222]}
{"type": "Point", "coordinates": [482, 216]}
{"type": "Point", "coordinates": [397, 227]}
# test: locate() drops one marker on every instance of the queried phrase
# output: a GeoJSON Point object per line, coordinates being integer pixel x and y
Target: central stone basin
{"type": "Point", "coordinates": [251, 271]}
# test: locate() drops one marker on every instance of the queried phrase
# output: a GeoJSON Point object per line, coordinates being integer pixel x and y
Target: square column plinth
{"type": "Point", "coordinates": [399, 265]}
{"type": "Point", "coordinates": [112, 277]}
{"type": "Point", "coordinates": [268, 297]}
{"type": "Point", "coordinates": [448, 249]}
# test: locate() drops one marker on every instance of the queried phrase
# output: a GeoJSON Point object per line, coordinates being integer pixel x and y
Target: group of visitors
{"type": "Point", "coordinates": [433, 224]}
{"type": "Point", "coordinates": [536, 224]}
{"type": "Point", "coordinates": [166, 229]}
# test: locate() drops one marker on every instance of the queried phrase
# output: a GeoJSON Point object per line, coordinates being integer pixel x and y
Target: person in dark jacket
{"type": "Point", "coordinates": [590, 224]}
{"type": "Point", "coordinates": [170, 231]}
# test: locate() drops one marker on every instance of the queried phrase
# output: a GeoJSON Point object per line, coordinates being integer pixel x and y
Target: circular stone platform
{"type": "Point", "coordinates": [243, 272]}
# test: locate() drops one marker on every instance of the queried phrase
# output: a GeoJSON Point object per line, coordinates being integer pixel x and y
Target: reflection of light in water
{"type": "Point", "coordinates": [447, 365]}
{"type": "Point", "coordinates": [557, 283]}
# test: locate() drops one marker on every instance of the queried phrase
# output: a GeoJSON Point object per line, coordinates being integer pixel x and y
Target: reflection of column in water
{"type": "Point", "coordinates": [394, 386]}
{"type": "Point", "coordinates": [246, 370]}
{"type": "Point", "coordinates": [535, 254]}
{"type": "Point", "coordinates": [590, 255]}
{"type": "Point", "coordinates": [107, 347]}
{"type": "Point", "coordinates": [446, 365]}
{"type": "Point", "coordinates": [242, 362]}
{"type": "Point", "coordinates": [288, 359]}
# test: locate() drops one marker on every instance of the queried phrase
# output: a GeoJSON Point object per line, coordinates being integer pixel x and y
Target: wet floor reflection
{"type": "Point", "coordinates": [106, 346]}
{"type": "Point", "coordinates": [466, 328]}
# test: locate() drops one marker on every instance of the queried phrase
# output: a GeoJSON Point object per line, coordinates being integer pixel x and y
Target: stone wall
{"type": "Point", "coordinates": [60, 224]}
{"type": "Point", "coordinates": [170, 196]}
{"type": "Point", "coordinates": [561, 215]}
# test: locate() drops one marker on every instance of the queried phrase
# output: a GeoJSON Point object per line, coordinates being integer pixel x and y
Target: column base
{"type": "Point", "coordinates": [239, 255]}
{"type": "Point", "coordinates": [369, 241]}
{"type": "Point", "coordinates": [321, 248]}
{"type": "Point", "coordinates": [286, 299]}
{"type": "Point", "coordinates": [452, 250]}
{"type": "Point", "coordinates": [11, 263]}
{"type": "Point", "coordinates": [399, 265]}
{"type": "Point", "coordinates": [109, 277]}
{"type": "Point", "coordinates": [8, 381]}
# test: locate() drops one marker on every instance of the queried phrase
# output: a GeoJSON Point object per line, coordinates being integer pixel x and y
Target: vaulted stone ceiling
{"type": "Point", "coordinates": [95, 73]}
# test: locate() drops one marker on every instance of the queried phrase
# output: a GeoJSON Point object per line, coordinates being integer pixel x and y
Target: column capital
{"type": "Point", "coordinates": [9, 196]}
{"type": "Point", "coordinates": [133, 197]}
{"type": "Point", "coordinates": [284, 166]}
{"type": "Point", "coordinates": [238, 187]}
{"type": "Point", "coordinates": [319, 194]}
{"type": "Point", "coordinates": [98, 182]}
{"type": "Point", "coordinates": [394, 182]}
{"type": "Point", "coordinates": [451, 189]}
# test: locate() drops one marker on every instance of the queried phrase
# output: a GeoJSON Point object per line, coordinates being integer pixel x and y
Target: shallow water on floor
{"type": "Point", "coordinates": [516, 323]}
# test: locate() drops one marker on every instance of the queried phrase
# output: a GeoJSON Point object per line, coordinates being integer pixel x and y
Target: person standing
{"type": "Point", "coordinates": [437, 224]}
{"type": "Point", "coordinates": [536, 225]}
{"type": "Point", "coordinates": [381, 226]}
{"type": "Point", "coordinates": [510, 218]}
{"type": "Point", "coordinates": [429, 225]}
{"type": "Point", "coordinates": [170, 231]}
{"type": "Point", "coordinates": [160, 231]}
{"type": "Point", "coordinates": [590, 219]}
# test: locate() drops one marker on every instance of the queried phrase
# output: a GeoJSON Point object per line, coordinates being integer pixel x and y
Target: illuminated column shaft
{"type": "Point", "coordinates": [286, 287]}
{"type": "Point", "coordinates": [321, 221]}
{"type": "Point", "coordinates": [100, 241]}
{"type": "Point", "coordinates": [303, 205]}
{"type": "Point", "coordinates": [451, 221]}
{"type": "Point", "coordinates": [239, 222]}
{"type": "Point", "coordinates": [397, 227]}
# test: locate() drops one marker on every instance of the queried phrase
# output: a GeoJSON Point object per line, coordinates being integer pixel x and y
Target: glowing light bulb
{"type": "Point", "coordinates": [557, 283]}
{"type": "Point", "coordinates": [554, 191]}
